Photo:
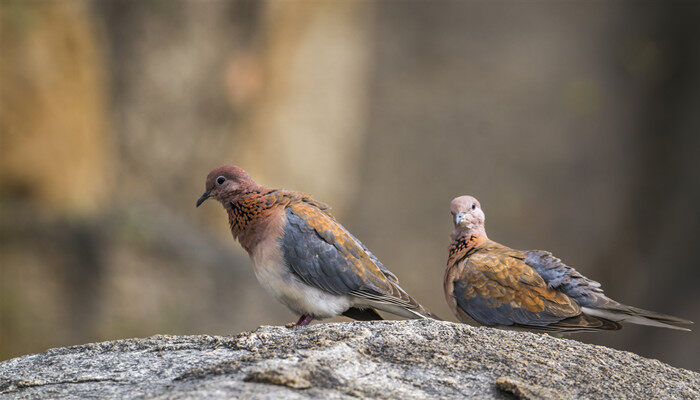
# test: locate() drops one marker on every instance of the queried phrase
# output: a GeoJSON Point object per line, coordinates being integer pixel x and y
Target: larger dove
{"type": "Point", "coordinates": [303, 256]}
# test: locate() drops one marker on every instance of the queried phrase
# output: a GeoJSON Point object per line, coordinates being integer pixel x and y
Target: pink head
{"type": "Point", "coordinates": [225, 182]}
{"type": "Point", "coordinates": [467, 215]}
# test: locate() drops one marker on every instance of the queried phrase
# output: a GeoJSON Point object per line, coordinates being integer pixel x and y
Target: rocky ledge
{"type": "Point", "coordinates": [388, 359]}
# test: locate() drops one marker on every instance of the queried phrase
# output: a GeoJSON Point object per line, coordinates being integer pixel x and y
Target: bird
{"type": "Point", "coordinates": [303, 256]}
{"type": "Point", "coordinates": [489, 284]}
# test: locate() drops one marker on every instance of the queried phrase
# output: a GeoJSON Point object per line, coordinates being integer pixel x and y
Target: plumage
{"type": "Point", "coordinates": [303, 256]}
{"type": "Point", "coordinates": [487, 283]}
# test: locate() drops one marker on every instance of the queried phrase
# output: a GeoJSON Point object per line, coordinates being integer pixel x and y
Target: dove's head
{"type": "Point", "coordinates": [467, 214]}
{"type": "Point", "coordinates": [225, 182]}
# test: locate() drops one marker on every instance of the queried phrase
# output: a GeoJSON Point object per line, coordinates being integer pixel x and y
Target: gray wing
{"type": "Point", "coordinates": [324, 255]}
{"type": "Point", "coordinates": [567, 280]}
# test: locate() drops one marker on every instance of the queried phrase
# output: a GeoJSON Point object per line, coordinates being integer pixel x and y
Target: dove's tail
{"type": "Point", "coordinates": [421, 312]}
{"type": "Point", "coordinates": [425, 313]}
{"type": "Point", "coordinates": [415, 311]}
{"type": "Point", "coordinates": [634, 315]}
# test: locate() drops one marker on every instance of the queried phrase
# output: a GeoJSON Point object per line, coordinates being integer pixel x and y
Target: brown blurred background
{"type": "Point", "coordinates": [575, 124]}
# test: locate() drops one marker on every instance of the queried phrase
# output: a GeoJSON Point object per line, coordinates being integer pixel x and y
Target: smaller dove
{"type": "Point", "coordinates": [487, 283]}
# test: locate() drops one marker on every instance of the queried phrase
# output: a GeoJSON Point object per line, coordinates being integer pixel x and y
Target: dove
{"type": "Point", "coordinates": [302, 256]}
{"type": "Point", "coordinates": [487, 283]}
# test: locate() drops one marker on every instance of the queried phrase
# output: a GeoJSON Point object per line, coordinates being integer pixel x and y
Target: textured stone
{"type": "Point", "coordinates": [387, 359]}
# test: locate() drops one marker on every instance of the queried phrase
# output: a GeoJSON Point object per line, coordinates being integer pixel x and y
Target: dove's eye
{"type": "Point", "coordinates": [220, 180]}
{"type": "Point", "coordinates": [473, 206]}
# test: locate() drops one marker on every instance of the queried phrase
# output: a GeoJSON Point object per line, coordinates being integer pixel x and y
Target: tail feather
{"type": "Point", "coordinates": [579, 323]}
{"type": "Point", "coordinates": [658, 316]}
{"type": "Point", "coordinates": [425, 313]}
{"type": "Point", "coordinates": [422, 312]}
{"type": "Point", "coordinates": [638, 316]}
{"type": "Point", "coordinates": [416, 311]}
{"type": "Point", "coordinates": [588, 323]}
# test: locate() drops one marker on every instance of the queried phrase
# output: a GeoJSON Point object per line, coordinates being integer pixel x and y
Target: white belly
{"type": "Point", "coordinates": [285, 286]}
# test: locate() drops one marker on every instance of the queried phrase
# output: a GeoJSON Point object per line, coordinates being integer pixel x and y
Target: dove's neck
{"type": "Point", "coordinates": [465, 242]}
{"type": "Point", "coordinates": [465, 232]}
{"type": "Point", "coordinates": [250, 213]}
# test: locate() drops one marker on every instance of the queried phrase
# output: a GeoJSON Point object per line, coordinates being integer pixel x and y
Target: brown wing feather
{"type": "Point", "coordinates": [496, 289]}
{"type": "Point", "coordinates": [503, 279]}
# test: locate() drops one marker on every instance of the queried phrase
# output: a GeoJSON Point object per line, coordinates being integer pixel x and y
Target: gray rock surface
{"type": "Point", "coordinates": [389, 359]}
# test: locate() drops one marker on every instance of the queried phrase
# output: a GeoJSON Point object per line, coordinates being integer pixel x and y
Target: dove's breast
{"type": "Point", "coordinates": [452, 274]}
{"type": "Point", "coordinates": [279, 280]}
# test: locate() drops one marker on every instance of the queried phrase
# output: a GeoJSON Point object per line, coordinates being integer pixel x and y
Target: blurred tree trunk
{"type": "Point", "coordinates": [308, 126]}
{"type": "Point", "coordinates": [53, 173]}
{"type": "Point", "coordinates": [52, 106]}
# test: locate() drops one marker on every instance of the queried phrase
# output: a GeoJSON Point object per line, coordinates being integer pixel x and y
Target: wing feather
{"type": "Point", "coordinates": [496, 289]}
{"type": "Point", "coordinates": [325, 255]}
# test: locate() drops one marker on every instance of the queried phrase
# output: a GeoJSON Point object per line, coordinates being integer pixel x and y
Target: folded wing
{"type": "Point", "coordinates": [590, 296]}
{"type": "Point", "coordinates": [325, 255]}
{"type": "Point", "coordinates": [497, 289]}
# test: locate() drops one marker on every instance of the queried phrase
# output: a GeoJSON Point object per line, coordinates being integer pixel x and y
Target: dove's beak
{"type": "Point", "coordinates": [204, 197]}
{"type": "Point", "coordinates": [459, 217]}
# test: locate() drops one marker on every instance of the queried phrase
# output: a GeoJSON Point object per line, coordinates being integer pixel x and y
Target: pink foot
{"type": "Point", "coordinates": [305, 319]}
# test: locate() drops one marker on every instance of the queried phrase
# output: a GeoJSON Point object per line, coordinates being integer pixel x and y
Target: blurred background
{"type": "Point", "coordinates": [575, 123]}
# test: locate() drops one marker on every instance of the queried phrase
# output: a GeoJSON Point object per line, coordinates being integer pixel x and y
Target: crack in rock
{"type": "Point", "coordinates": [288, 377]}
{"type": "Point", "coordinates": [526, 391]}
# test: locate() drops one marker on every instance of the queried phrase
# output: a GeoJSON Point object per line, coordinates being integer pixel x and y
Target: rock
{"type": "Point", "coordinates": [386, 359]}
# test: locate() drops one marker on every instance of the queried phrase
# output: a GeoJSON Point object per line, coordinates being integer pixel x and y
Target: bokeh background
{"type": "Point", "coordinates": [575, 123]}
